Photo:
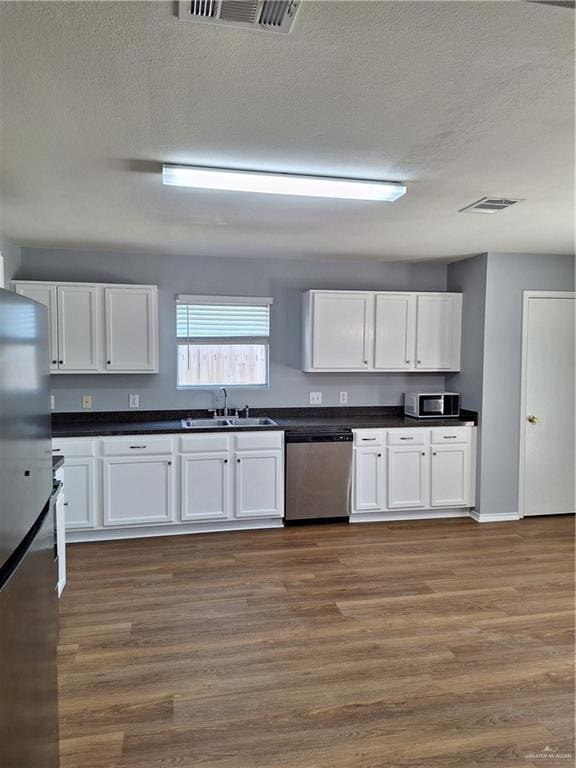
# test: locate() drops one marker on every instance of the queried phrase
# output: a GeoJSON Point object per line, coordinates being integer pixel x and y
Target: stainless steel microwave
{"type": "Point", "coordinates": [432, 405]}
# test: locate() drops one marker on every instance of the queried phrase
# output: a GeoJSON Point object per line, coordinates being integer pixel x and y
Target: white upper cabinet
{"type": "Point", "coordinates": [78, 328]}
{"type": "Point", "coordinates": [45, 294]}
{"type": "Point", "coordinates": [438, 324]}
{"type": "Point", "coordinates": [341, 330]}
{"type": "Point", "coordinates": [394, 331]}
{"type": "Point", "coordinates": [99, 328]}
{"type": "Point", "coordinates": [381, 331]}
{"type": "Point", "coordinates": [131, 326]}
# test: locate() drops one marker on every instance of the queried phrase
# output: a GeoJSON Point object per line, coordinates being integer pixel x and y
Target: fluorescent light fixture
{"type": "Point", "coordinates": [281, 183]}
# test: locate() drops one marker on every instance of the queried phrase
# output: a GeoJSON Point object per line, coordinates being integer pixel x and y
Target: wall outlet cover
{"type": "Point", "coordinates": [315, 398]}
{"type": "Point", "coordinates": [134, 401]}
{"type": "Point", "coordinates": [86, 401]}
{"type": "Point", "coordinates": [343, 398]}
{"type": "Point", "coordinates": [52, 404]}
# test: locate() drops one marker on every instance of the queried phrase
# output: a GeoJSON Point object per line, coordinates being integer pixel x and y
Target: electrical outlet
{"type": "Point", "coordinates": [343, 398]}
{"type": "Point", "coordinates": [315, 398]}
{"type": "Point", "coordinates": [87, 401]}
{"type": "Point", "coordinates": [134, 401]}
{"type": "Point", "coordinates": [52, 406]}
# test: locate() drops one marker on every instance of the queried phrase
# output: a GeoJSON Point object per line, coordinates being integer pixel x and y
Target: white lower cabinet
{"type": "Point", "coordinates": [408, 477]}
{"type": "Point", "coordinates": [119, 487]}
{"type": "Point", "coordinates": [205, 486]}
{"type": "Point", "coordinates": [369, 479]}
{"type": "Point", "coordinates": [423, 472]}
{"type": "Point", "coordinates": [79, 478]}
{"type": "Point", "coordinates": [137, 490]}
{"type": "Point", "coordinates": [450, 476]}
{"type": "Point", "coordinates": [259, 484]}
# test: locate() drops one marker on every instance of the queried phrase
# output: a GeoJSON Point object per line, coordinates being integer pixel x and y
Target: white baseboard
{"type": "Point", "coordinates": [141, 532]}
{"type": "Point", "coordinates": [408, 514]}
{"type": "Point", "coordinates": [493, 517]}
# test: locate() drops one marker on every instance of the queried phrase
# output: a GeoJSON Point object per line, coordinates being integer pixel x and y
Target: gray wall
{"type": "Point", "coordinates": [469, 277]}
{"type": "Point", "coordinates": [12, 258]}
{"type": "Point", "coordinates": [284, 279]}
{"type": "Point", "coordinates": [508, 275]}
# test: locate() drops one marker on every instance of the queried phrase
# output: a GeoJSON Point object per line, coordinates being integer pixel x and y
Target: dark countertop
{"type": "Point", "coordinates": [57, 462]}
{"type": "Point", "coordinates": [287, 419]}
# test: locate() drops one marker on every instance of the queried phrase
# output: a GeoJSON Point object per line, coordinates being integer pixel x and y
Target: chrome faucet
{"type": "Point", "coordinates": [225, 409]}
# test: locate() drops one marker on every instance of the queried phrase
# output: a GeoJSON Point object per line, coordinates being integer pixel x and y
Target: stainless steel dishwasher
{"type": "Point", "coordinates": [318, 475]}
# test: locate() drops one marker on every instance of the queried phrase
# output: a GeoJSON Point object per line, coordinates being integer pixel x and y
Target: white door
{"type": "Point", "coordinates": [438, 319]}
{"type": "Point", "coordinates": [408, 486]}
{"type": "Point", "coordinates": [205, 486]}
{"type": "Point", "coordinates": [395, 331]}
{"type": "Point", "coordinates": [450, 476]}
{"type": "Point", "coordinates": [259, 484]}
{"type": "Point", "coordinates": [368, 479]}
{"type": "Point", "coordinates": [547, 435]}
{"type": "Point", "coordinates": [45, 294]}
{"type": "Point", "coordinates": [79, 492]}
{"type": "Point", "coordinates": [341, 330]}
{"type": "Point", "coordinates": [78, 328]}
{"type": "Point", "coordinates": [131, 329]}
{"type": "Point", "coordinates": [138, 490]}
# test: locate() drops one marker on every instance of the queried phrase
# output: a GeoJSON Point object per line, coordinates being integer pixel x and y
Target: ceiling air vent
{"type": "Point", "coordinates": [490, 205]}
{"type": "Point", "coordinates": [273, 15]}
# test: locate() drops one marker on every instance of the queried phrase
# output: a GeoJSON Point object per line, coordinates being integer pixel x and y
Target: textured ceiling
{"type": "Point", "coordinates": [458, 99]}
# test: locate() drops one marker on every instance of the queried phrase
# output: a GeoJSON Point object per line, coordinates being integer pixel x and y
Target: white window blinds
{"type": "Point", "coordinates": [222, 317]}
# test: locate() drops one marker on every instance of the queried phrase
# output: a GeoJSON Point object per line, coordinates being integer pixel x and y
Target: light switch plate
{"type": "Point", "coordinates": [315, 398]}
{"type": "Point", "coordinates": [134, 401]}
{"type": "Point", "coordinates": [343, 398]}
{"type": "Point", "coordinates": [86, 401]}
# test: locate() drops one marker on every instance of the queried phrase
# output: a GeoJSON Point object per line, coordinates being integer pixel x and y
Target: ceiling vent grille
{"type": "Point", "coordinates": [490, 205]}
{"type": "Point", "coordinates": [272, 15]}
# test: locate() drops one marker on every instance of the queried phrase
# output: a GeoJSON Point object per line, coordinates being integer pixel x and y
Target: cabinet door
{"type": "Point", "coordinates": [368, 479]}
{"type": "Point", "coordinates": [78, 328]}
{"type": "Point", "coordinates": [259, 484]}
{"type": "Point", "coordinates": [408, 486]}
{"type": "Point", "coordinates": [438, 318]}
{"type": "Point", "coordinates": [341, 330]}
{"type": "Point", "coordinates": [395, 331]}
{"type": "Point", "coordinates": [450, 476]}
{"type": "Point", "coordinates": [45, 294]}
{"type": "Point", "coordinates": [79, 476]}
{"type": "Point", "coordinates": [205, 486]}
{"type": "Point", "coordinates": [138, 490]}
{"type": "Point", "coordinates": [131, 321]}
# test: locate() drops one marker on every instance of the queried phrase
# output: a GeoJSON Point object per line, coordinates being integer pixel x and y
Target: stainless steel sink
{"type": "Point", "coordinates": [255, 422]}
{"type": "Point", "coordinates": [210, 423]}
{"type": "Point", "coordinates": [228, 422]}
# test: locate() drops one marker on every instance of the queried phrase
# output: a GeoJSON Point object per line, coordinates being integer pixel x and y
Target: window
{"type": "Point", "coordinates": [222, 341]}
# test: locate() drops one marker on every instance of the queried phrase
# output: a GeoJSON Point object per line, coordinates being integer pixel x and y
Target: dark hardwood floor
{"type": "Point", "coordinates": [431, 644]}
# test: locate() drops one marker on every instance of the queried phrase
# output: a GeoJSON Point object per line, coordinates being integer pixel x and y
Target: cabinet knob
{"type": "Point", "coordinates": [225, 461]}
{"type": "Point", "coordinates": [419, 362]}
{"type": "Point", "coordinates": [60, 362]}
{"type": "Point", "coordinates": [533, 419]}
{"type": "Point", "coordinates": [434, 453]}
{"type": "Point", "coordinates": [169, 463]}
{"type": "Point", "coordinates": [365, 362]}
{"type": "Point", "coordinates": [108, 362]}
{"type": "Point", "coordinates": [379, 455]}
{"type": "Point", "coordinates": [423, 453]}
{"type": "Point", "coordinates": [54, 362]}
{"type": "Point", "coordinates": [408, 361]}
{"type": "Point", "coordinates": [238, 460]}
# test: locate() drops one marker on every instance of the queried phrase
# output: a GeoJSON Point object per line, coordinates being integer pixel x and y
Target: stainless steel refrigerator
{"type": "Point", "coordinates": [28, 572]}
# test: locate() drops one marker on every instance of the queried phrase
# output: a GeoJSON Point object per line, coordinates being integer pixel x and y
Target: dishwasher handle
{"type": "Point", "coordinates": [319, 437]}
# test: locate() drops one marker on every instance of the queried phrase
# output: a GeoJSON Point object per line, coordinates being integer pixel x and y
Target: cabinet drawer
{"type": "Point", "coordinates": [407, 436]}
{"type": "Point", "coordinates": [450, 435]}
{"type": "Point", "coordinates": [67, 447]}
{"type": "Point", "coordinates": [257, 440]}
{"type": "Point", "coordinates": [204, 443]}
{"type": "Point", "coordinates": [137, 445]}
{"type": "Point", "coordinates": [368, 437]}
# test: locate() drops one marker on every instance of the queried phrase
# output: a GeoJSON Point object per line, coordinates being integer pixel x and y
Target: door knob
{"type": "Point", "coordinates": [533, 419]}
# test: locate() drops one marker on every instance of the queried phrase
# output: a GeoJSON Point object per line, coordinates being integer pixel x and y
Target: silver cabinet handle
{"type": "Point", "coordinates": [406, 438]}
{"type": "Point", "coordinates": [450, 437]}
{"type": "Point", "coordinates": [368, 439]}
{"type": "Point", "coordinates": [133, 447]}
